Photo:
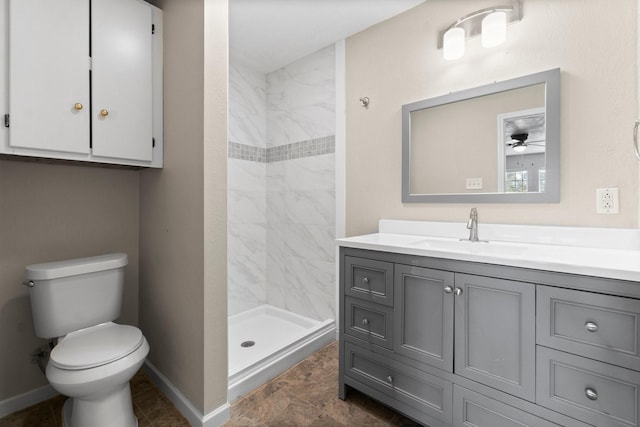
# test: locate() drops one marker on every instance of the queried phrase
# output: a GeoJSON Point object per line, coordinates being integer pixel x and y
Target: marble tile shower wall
{"type": "Point", "coordinates": [300, 236]}
{"type": "Point", "coordinates": [297, 154]}
{"type": "Point", "coordinates": [247, 201]}
{"type": "Point", "coordinates": [301, 191]}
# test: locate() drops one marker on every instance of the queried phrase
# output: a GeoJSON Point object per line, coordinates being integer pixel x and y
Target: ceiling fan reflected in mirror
{"type": "Point", "coordinates": [519, 142]}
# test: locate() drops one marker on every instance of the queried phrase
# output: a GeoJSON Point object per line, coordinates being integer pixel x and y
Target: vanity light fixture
{"type": "Point", "coordinates": [491, 23]}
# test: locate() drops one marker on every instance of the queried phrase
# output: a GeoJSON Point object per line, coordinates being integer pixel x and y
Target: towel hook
{"type": "Point", "coordinates": [635, 139]}
{"type": "Point", "coordinates": [365, 101]}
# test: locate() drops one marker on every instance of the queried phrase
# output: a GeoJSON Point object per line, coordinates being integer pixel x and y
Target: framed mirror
{"type": "Point", "coordinates": [498, 143]}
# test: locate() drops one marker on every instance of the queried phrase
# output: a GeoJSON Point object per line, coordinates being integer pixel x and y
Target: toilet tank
{"type": "Point", "coordinates": [75, 294]}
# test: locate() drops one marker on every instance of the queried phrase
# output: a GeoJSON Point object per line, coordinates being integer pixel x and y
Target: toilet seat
{"type": "Point", "coordinates": [96, 346]}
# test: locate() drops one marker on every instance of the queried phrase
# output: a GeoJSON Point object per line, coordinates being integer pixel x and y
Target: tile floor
{"type": "Point", "coordinates": [305, 395]}
{"type": "Point", "coordinates": [151, 407]}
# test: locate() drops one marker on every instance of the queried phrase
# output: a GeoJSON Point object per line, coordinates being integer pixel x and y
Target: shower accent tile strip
{"type": "Point", "coordinates": [296, 150]}
{"type": "Point", "coordinates": [247, 152]}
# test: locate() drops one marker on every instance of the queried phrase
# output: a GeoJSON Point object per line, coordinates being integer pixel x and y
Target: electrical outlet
{"type": "Point", "coordinates": [474, 184]}
{"type": "Point", "coordinates": [607, 201]}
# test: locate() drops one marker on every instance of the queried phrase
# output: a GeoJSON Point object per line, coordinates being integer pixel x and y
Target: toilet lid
{"type": "Point", "coordinates": [95, 346]}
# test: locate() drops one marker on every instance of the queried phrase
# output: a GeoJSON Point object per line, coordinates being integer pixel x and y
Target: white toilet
{"type": "Point", "coordinates": [76, 301]}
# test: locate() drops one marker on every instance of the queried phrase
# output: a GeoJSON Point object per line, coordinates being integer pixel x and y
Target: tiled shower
{"type": "Point", "coordinates": [281, 193]}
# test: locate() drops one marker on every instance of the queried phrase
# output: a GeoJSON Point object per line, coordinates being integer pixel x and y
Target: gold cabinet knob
{"type": "Point", "coordinates": [104, 113]}
{"type": "Point", "coordinates": [78, 106]}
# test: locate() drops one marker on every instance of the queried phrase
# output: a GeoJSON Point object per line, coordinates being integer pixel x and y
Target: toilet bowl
{"type": "Point", "coordinates": [98, 390]}
{"type": "Point", "coordinates": [94, 359]}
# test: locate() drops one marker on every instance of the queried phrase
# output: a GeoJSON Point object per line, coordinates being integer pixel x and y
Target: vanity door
{"type": "Point", "coordinates": [495, 333]}
{"type": "Point", "coordinates": [423, 315]}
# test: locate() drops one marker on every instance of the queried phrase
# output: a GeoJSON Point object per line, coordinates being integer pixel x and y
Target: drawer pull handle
{"type": "Point", "coordinates": [390, 379]}
{"type": "Point", "coordinates": [365, 280]}
{"type": "Point", "coordinates": [365, 321]}
{"type": "Point", "coordinates": [591, 327]}
{"type": "Point", "coordinates": [457, 291]}
{"type": "Point", "coordinates": [448, 289]}
{"type": "Point", "coordinates": [591, 394]}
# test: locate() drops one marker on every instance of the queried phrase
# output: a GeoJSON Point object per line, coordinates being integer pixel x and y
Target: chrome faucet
{"type": "Point", "coordinates": [472, 225]}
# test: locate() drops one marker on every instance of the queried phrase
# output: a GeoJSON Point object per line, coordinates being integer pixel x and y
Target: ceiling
{"type": "Point", "coordinates": [269, 34]}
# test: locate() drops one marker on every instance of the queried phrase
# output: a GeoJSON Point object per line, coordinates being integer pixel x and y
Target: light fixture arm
{"type": "Point", "coordinates": [472, 23]}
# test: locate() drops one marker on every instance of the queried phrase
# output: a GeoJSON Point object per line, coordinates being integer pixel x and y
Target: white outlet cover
{"type": "Point", "coordinates": [607, 201]}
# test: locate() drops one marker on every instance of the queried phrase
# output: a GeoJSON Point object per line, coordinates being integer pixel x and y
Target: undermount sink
{"type": "Point", "coordinates": [493, 248]}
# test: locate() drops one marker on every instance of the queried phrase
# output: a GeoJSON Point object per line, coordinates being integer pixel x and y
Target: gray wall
{"type": "Point", "coordinates": [183, 240]}
{"type": "Point", "coordinates": [50, 212]}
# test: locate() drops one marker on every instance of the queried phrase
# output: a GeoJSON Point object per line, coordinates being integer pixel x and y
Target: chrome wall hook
{"type": "Point", "coordinates": [365, 101]}
{"type": "Point", "coordinates": [635, 139]}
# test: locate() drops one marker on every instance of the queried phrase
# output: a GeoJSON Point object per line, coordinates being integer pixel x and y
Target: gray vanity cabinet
{"type": "Point", "coordinates": [453, 343]}
{"type": "Point", "coordinates": [495, 333]}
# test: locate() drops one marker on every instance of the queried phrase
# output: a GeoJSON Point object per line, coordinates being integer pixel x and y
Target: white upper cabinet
{"type": "Point", "coordinates": [84, 80]}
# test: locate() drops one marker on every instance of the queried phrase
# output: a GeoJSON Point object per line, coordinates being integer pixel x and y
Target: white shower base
{"type": "Point", "coordinates": [281, 339]}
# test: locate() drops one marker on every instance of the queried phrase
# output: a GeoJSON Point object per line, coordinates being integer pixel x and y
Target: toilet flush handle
{"type": "Point", "coordinates": [28, 283]}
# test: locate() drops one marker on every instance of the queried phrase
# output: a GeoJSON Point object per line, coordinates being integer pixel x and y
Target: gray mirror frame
{"type": "Point", "coordinates": [551, 79]}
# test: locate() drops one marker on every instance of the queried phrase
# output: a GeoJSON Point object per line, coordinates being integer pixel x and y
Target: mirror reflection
{"type": "Point", "coordinates": [485, 142]}
{"type": "Point", "coordinates": [521, 151]}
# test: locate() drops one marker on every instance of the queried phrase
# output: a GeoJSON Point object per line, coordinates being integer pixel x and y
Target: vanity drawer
{"type": "Point", "coordinates": [369, 279]}
{"type": "Point", "coordinates": [475, 410]}
{"type": "Point", "coordinates": [431, 395]}
{"type": "Point", "coordinates": [369, 321]}
{"type": "Point", "coordinates": [601, 327]}
{"type": "Point", "coordinates": [591, 391]}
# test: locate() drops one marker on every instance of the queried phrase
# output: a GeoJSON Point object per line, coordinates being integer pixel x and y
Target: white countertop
{"type": "Point", "coordinates": [600, 252]}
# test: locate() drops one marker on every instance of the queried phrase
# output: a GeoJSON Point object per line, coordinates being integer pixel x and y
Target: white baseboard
{"type": "Point", "coordinates": [24, 400]}
{"type": "Point", "coordinates": [214, 418]}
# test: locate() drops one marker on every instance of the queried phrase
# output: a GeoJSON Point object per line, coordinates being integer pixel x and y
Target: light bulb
{"type": "Point", "coordinates": [453, 44]}
{"type": "Point", "coordinates": [494, 29]}
{"type": "Point", "coordinates": [519, 147]}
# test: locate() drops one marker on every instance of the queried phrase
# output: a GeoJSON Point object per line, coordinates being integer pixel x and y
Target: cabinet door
{"type": "Point", "coordinates": [121, 79]}
{"type": "Point", "coordinates": [49, 75]}
{"type": "Point", "coordinates": [495, 333]}
{"type": "Point", "coordinates": [423, 315]}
